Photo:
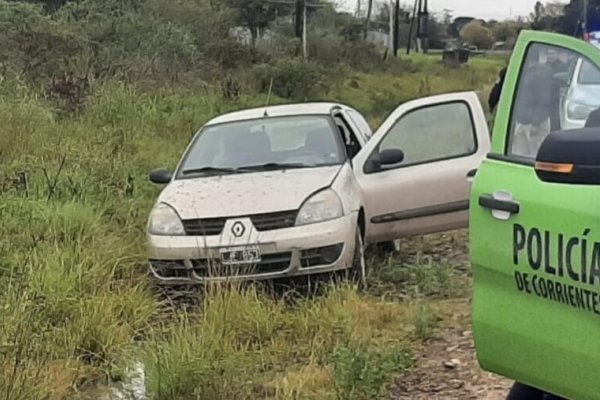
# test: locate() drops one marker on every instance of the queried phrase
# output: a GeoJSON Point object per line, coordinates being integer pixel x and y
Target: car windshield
{"type": "Point", "coordinates": [266, 143]}
{"type": "Point", "coordinates": [589, 74]}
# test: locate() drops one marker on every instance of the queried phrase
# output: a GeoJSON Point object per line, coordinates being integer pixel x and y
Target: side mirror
{"type": "Point", "coordinates": [570, 157]}
{"type": "Point", "coordinates": [391, 157]}
{"type": "Point", "coordinates": [385, 157]}
{"type": "Point", "coordinates": [161, 176]}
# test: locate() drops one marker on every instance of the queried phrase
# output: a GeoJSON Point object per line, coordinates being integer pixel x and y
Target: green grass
{"type": "Point", "coordinates": [377, 95]}
{"type": "Point", "coordinates": [75, 305]}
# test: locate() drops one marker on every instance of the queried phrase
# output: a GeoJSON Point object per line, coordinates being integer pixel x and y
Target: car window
{"type": "Point", "coordinates": [589, 74]}
{"type": "Point", "coordinates": [348, 137]}
{"type": "Point", "coordinates": [307, 140]}
{"type": "Point", "coordinates": [432, 133]}
{"type": "Point", "coordinates": [547, 100]}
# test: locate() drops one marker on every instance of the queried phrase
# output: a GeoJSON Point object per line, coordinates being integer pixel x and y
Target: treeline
{"type": "Point", "coordinates": [63, 47]}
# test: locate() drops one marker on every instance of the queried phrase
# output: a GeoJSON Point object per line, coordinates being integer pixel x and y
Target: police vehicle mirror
{"type": "Point", "coordinates": [570, 157]}
{"type": "Point", "coordinates": [161, 176]}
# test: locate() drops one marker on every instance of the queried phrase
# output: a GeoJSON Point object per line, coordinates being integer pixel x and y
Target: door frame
{"type": "Point", "coordinates": [451, 208]}
{"type": "Point", "coordinates": [501, 129]}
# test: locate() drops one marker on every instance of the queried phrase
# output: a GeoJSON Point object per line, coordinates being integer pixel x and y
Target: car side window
{"type": "Point", "coordinates": [349, 138]}
{"type": "Point", "coordinates": [433, 133]}
{"type": "Point", "coordinates": [556, 90]}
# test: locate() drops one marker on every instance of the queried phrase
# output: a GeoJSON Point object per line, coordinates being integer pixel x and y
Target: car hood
{"type": "Point", "coordinates": [246, 193]}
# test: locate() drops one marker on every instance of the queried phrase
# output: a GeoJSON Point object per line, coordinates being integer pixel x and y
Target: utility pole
{"type": "Point", "coordinates": [396, 26]}
{"type": "Point", "coordinates": [297, 16]}
{"type": "Point", "coordinates": [585, 19]}
{"type": "Point", "coordinates": [304, 33]}
{"type": "Point", "coordinates": [392, 41]}
{"type": "Point", "coordinates": [301, 20]}
{"type": "Point", "coordinates": [412, 25]}
{"type": "Point", "coordinates": [419, 21]}
{"type": "Point", "coordinates": [424, 27]}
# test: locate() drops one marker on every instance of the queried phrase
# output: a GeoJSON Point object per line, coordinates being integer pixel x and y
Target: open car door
{"type": "Point", "coordinates": [415, 172]}
{"type": "Point", "coordinates": [535, 244]}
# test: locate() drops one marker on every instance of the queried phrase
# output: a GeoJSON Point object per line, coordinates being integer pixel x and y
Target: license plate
{"type": "Point", "coordinates": [240, 255]}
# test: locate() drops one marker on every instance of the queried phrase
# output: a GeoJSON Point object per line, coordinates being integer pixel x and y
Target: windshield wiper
{"type": "Point", "coordinates": [275, 166]}
{"type": "Point", "coordinates": [210, 170]}
{"type": "Point", "coordinates": [249, 168]}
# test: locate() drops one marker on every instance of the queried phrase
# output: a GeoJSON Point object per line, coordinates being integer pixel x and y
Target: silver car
{"type": "Point", "coordinates": [581, 96]}
{"type": "Point", "coordinates": [299, 189]}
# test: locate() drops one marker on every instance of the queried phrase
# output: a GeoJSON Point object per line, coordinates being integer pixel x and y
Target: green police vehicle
{"type": "Point", "coordinates": [534, 222]}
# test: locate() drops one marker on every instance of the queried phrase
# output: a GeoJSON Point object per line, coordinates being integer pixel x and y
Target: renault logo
{"type": "Point", "coordinates": [238, 229]}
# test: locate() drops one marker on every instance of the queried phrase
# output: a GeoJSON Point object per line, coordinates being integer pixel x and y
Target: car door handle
{"type": "Point", "coordinates": [491, 203]}
{"type": "Point", "coordinates": [472, 173]}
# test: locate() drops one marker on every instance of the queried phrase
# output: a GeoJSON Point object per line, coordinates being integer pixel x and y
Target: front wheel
{"type": "Point", "coordinates": [359, 264]}
{"type": "Point", "coordinates": [388, 248]}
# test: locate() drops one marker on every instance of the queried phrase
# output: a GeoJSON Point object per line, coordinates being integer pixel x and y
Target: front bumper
{"type": "Point", "coordinates": [303, 250]}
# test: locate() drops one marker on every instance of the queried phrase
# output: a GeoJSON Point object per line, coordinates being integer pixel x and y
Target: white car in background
{"type": "Point", "coordinates": [581, 95]}
{"type": "Point", "coordinates": [299, 189]}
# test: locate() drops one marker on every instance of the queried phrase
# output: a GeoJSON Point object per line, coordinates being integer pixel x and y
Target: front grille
{"type": "Point", "coordinates": [204, 227]}
{"type": "Point", "coordinates": [320, 256]}
{"type": "Point", "coordinates": [272, 221]}
{"type": "Point", "coordinates": [169, 268]}
{"type": "Point", "coordinates": [262, 223]}
{"type": "Point", "coordinates": [270, 263]}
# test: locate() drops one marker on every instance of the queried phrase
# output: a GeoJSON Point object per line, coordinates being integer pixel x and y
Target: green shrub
{"type": "Point", "coordinates": [362, 370]}
{"type": "Point", "coordinates": [293, 79]}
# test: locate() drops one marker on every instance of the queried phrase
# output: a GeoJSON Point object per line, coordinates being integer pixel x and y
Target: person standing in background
{"type": "Point", "coordinates": [494, 97]}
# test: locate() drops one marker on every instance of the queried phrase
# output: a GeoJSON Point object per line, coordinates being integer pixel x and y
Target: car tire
{"type": "Point", "coordinates": [388, 248]}
{"type": "Point", "coordinates": [358, 269]}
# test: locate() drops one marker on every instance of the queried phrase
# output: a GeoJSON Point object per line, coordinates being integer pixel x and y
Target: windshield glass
{"type": "Point", "coordinates": [277, 142]}
{"type": "Point", "coordinates": [589, 74]}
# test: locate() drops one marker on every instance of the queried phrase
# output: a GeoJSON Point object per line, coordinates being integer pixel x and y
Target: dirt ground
{"type": "Point", "coordinates": [446, 366]}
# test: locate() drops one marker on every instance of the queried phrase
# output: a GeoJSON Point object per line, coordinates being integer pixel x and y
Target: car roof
{"type": "Point", "coordinates": [321, 108]}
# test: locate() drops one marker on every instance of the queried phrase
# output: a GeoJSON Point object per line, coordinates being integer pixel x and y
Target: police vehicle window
{"type": "Point", "coordinates": [433, 133]}
{"type": "Point", "coordinates": [557, 90]}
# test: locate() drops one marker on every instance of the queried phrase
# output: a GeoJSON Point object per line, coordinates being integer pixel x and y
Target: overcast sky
{"type": "Point", "coordinates": [486, 9]}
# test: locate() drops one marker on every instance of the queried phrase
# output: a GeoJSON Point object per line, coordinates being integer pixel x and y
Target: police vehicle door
{"type": "Point", "coordinates": [535, 246]}
{"type": "Point", "coordinates": [415, 172]}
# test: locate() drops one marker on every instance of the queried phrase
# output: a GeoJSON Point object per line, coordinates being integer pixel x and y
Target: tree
{"type": "Point", "coordinates": [447, 18]}
{"type": "Point", "coordinates": [368, 18]}
{"type": "Point", "coordinates": [457, 25]}
{"type": "Point", "coordinates": [505, 31]}
{"type": "Point", "coordinates": [49, 5]}
{"type": "Point", "coordinates": [256, 15]}
{"type": "Point", "coordinates": [477, 34]}
{"type": "Point", "coordinates": [570, 22]}
{"type": "Point", "coordinates": [435, 29]}
{"type": "Point", "coordinates": [546, 17]}
{"type": "Point", "coordinates": [435, 33]}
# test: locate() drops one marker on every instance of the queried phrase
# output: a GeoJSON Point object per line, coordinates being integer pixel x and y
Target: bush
{"type": "Point", "coordinates": [292, 79]}
{"type": "Point", "coordinates": [361, 370]}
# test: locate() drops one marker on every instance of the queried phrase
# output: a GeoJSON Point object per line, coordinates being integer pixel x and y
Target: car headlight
{"type": "Point", "coordinates": [578, 111]}
{"type": "Point", "coordinates": [164, 221]}
{"type": "Point", "coordinates": [321, 207]}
